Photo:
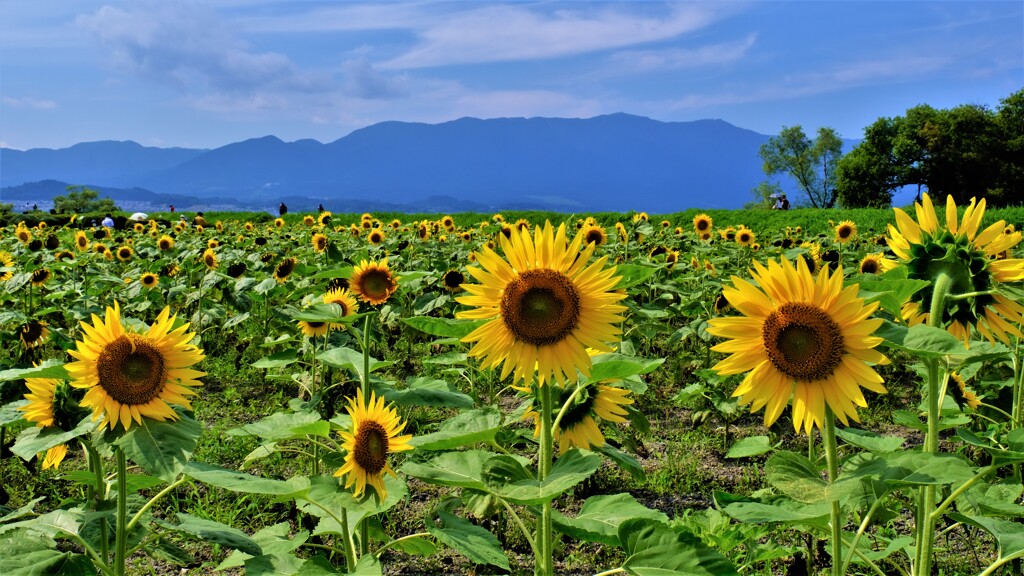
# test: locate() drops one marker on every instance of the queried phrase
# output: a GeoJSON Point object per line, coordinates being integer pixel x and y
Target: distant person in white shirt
{"type": "Point", "coordinates": [107, 222]}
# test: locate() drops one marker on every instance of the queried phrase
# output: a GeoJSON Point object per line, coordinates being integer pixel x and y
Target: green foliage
{"type": "Point", "coordinates": [80, 199]}
{"type": "Point", "coordinates": [812, 163]}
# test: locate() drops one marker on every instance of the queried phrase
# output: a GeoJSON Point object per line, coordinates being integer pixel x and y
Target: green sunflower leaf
{"type": "Point", "coordinates": [277, 359]}
{"type": "Point", "coordinates": [426, 391]}
{"type": "Point", "coordinates": [445, 327]}
{"type": "Point", "coordinates": [654, 549]}
{"type": "Point", "coordinates": [470, 540]}
{"type": "Point", "coordinates": [569, 470]}
{"type": "Point", "coordinates": [600, 517]}
{"type": "Point", "coordinates": [34, 440]}
{"type": "Point", "coordinates": [237, 481]}
{"type": "Point", "coordinates": [633, 274]}
{"type": "Point", "coordinates": [467, 428]}
{"type": "Point", "coordinates": [48, 369]}
{"type": "Point", "coordinates": [161, 448]}
{"type": "Point", "coordinates": [461, 469]}
{"type": "Point", "coordinates": [215, 533]}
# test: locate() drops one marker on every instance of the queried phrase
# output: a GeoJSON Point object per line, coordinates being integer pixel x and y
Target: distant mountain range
{"type": "Point", "coordinates": [617, 162]}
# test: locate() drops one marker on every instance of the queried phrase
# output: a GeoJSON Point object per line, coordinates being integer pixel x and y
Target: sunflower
{"type": "Point", "coordinates": [138, 228]}
{"type": "Point", "coordinates": [594, 233]}
{"type": "Point", "coordinates": [170, 270]}
{"type": "Point", "coordinates": [498, 218]}
{"type": "Point", "coordinates": [212, 243]}
{"type": "Point", "coordinates": [963, 395]}
{"type": "Point", "coordinates": [968, 258]}
{"type": "Point", "coordinates": [521, 224]}
{"type": "Point", "coordinates": [219, 226]}
{"type": "Point", "coordinates": [876, 264]}
{"type": "Point", "coordinates": [342, 297]}
{"type": "Point", "coordinates": [130, 375]}
{"type": "Point", "coordinates": [63, 255]}
{"type": "Point", "coordinates": [149, 280]}
{"type": "Point", "coordinates": [545, 306]}
{"type": "Point", "coordinates": [40, 276]}
{"type": "Point", "coordinates": [124, 253]}
{"type": "Point", "coordinates": [308, 220]}
{"type": "Point", "coordinates": [52, 242]}
{"type": "Point", "coordinates": [802, 337]}
{"type": "Point", "coordinates": [284, 269]}
{"type": "Point", "coordinates": [376, 237]}
{"type": "Point", "coordinates": [313, 328]}
{"type": "Point", "coordinates": [165, 243]}
{"type": "Point", "coordinates": [40, 407]}
{"type": "Point", "coordinates": [6, 261]}
{"type": "Point", "coordinates": [641, 217]}
{"type": "Point", "coordinates": [373, 282]}
{"type": "Point", "coordinates": [366, 224]}
{"type": "Point", "coordinates": [578, 427]}
{"type": "Point", "coordinates": [81, 241]}
{"type": "Point", "coordinates": [236, 269]}
{"type": "Point", "coordinates": [744, 237]}
{"type": "Point", "coordinates": [620, 230]}
{"type": "Point", "coordinates": [448, 222]}
{"type": "Point", "coordinates": [24, 235]}
{"type": "Point", "coordinates": [702, 223]}
{"type": "Point", "coordinates": [33, 333]}
{"type": "Point", "coordinates": [374, 434]}
{"type": "Point", "coordinates": [671, 257]}
{"type": "Point", "coordinates": [54, 456]}
{"type": "Point", "coordinates": [324, 219]}
{"type": "Point", "coordinates": [319, 242]}
{"type": "Point", "coordinates": [452, 280]}
{"type": "Point", "coordinates": [210, 259]}
{"type": "Point", "coordinates": [248, 226]}
{"type": "Point", "coordinates": [279, 222]}
{"type": "Point", "coordinates": [846, 231]}
{"type": "Point", "coordinates": [396, 224]}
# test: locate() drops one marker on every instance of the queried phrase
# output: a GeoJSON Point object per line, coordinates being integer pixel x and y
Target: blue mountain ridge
{"type": "Point", "coordinates": [616, 162]}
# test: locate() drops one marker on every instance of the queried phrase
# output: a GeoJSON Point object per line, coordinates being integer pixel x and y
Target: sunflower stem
{"type": "Point", "coordinates": [120, 535]}
{"type": "Point", "coordinates": [350, 546]}
{"type": "Point", "coordinates": [366, 357]}
{"type": "Point", "coordinates": [828, 438]}
{"type": "Point", "coordinates": [925, 521]}
{"type": "Point", "coordinates": [97, 493]}
{"type": "Point", "coordinates": [545, 563]}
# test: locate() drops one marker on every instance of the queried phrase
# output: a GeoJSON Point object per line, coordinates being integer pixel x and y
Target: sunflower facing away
{"type": "Point", "coordinates": [33, 333]}
{"type": "Point", "coordinates": [578, 427]}
{"type": "Point", "coordinates": [40, 276]}
{"type": "Point", "coordinates": [130, 375]}
{"type": "Point", "coordinates": [373, 282]}
{"type": "Point", "coordinates": [545, 306]}
{"type": "Point", "coordinates": [799, 337]}
{"type": "Point", "coordinates": [284, 269]}
{"type": "Point", "coordinates": [970, 259]}
{"type": "Point", "coordinates": [374, 434]}
{"type": "Point", "coordinates": [41, 398]}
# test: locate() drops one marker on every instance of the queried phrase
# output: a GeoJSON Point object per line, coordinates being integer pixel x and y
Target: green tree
{"type": "Point", "coordinates": [82, 199]}
{"type": "Point", "coordinates": [763, 194]}
{"type": "Point", "coordinates": [812, 163]}
{"type": "Point", "coordinates": [869, 174]}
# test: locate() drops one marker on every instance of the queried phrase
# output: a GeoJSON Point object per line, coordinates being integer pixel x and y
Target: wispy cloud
{"type": "Point", "coordinates": [364, 81]}
{"type": "Point", "coordinates": [190, 46]}
{"type": "Point", "coordinates": [641, 61]}
{"type": "Point", "coordinates": [29, 102]}
{"type": "Point", "coordinates": [509, 32]}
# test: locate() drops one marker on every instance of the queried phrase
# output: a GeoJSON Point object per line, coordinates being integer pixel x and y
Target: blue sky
{"type": "Point", "coordinates": [205, 74]}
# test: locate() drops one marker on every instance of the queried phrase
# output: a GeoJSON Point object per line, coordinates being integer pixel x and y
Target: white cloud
{"type": "Point", "coordinates": [191, 46]}
{"type": "Point", "coordinates": [509, 32]}
{"type": "Point", "coordinates": [29, 102]}
{"type": "Point", "coordinates": [363, 81]}
{"type": "Point", "coordinates": [640, 61]}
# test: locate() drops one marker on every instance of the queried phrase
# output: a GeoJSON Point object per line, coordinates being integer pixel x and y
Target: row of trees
{"type": "Point", "coordinates": [967, 151]}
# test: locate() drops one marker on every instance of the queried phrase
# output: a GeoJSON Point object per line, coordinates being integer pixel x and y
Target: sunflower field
{"type": "Point", "coordinates": [723, 392]}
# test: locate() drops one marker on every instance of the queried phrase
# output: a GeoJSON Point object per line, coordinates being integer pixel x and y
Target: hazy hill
{"type": "Point", "coordinates": [615, 162]}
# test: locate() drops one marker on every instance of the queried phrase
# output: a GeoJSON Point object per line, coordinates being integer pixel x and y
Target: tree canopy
{"type": "Point", "coordinates": [812, 163]}
{"type": "Point", "coordinates": [967, 151]}
{"type": "Point", "coordinates": [82, 199]}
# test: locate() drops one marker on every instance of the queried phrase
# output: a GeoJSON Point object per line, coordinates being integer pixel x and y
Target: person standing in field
{"type": "Point", "coordinates": [282, 209]}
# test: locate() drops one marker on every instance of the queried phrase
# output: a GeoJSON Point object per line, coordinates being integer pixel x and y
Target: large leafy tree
{"type": "Point", "coordinates": [967, 151]}
{"type": "Point", "coordinates": [812, 163]}
{"type": "Point", "coordinates": [82, 199]}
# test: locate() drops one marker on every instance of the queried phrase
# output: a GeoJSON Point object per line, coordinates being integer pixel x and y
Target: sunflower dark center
{"type": "Point", "coordinates": [32, 331]}
{"type": "Point", "coordinates": [376, 283]}
{"type": "Point", "coordinates": [595, 236]}
{"type": "Point", "coordinates": [869, 267]}
{"type": "Point", "coordinates": [802, 341]}
{"type": "Point", "coordinates": [453, 279]}
{"type": "Point", "coordinates": [845, 232]}
{"type": "Point", "coordinates": [371, 447]}
{"type": "Point", "coordinates": [131, 370]}
{"type": "Point", "coordinates": [540, 307]}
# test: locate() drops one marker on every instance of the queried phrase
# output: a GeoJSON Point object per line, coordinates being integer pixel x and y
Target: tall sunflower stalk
{"type": "Point", "coordinates": [545, 304]}
{"type": "Point", "coordinates": [963, 264]}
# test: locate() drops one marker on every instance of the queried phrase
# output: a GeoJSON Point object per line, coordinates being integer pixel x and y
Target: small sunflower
{"type": "Point", "coordinates": [963, 395]}
{"type": "Point", "coordinates": [170, 270]}
{"type": "Point", "coordinates": [620, 230]}
{"type": "Point", "coordinates": [313, 328]}
{"type": "Point", "coordinates": [81, 241]}
{"type": "Point", "coordinates": [641, 217]}
{"type": "Point", "coordinates": [594, 233]}
{"type": "Point", "coordinates": [6, 262]}
{"type": "Point", "coordinates": [33, 333]}
{"type": "Point", "coordinates": [522, 224]}
{"type": "Point", "coordinates": [452, 280]}
{"type": "Point", "coordinates": [284, 269]}
{"type": "Point", "coordinates": [319, 242]}
{"type": "Point", "coordinates": [876, 264]}
{"type": "Point", "coordinates": [41, 398]}
{"type": "Point", "coordinates": [846, 231]}
{"type": "Point", "coordinates": [308, 220]}
{"type": "Point", "coordinates": [373, 436]}
{"type": "Point", "coordinates": [578, 427]}
{"type": "Point", "coordinates": [396, 224]}
{"type": "Point", "coordinates": [62, 255]}
{"type": "Point", "coordinates": [165, 243]}
{"type": "Point", "coordinates": [249, 227]}
{"type": "Point", "coordinates": [149, 280]}
{"type": "Point", "coordinates": [210, 259]}
{"type": "Point", "coordinates": [545, 306]}
{"type": "Point", "coordinates": [24, 235]}
{"type": "Point", "coordinates": [373, 282]}
{"type": "Point", "coordinates": [124, 253]}
{"type": "Point", "coordinates": [342, 297]}
{"type": "Point", "coordinates": [236, 269]}
{"type": "Point", "coordinates": [40, 276]}
{"type": "Point", "coordinates": [279, 222]}
{"type": "Point", "coordinates": [130, 375]}
{"type": "Point", "coordinates": [375, 237]}
{"type": "Point", "coordinates": [324, 219]}
{"type": "Point", "coordinates": [702, 223]}
{"type": "Point", "coordinates": [212, 243]}
{"type": "Point", "coordinates": [448, 222]}
{"type": "Point", "coordinates": [423, 231]}
{"type": "Point", "coordinates": [744, 237]}
{"type": "Point", "coordinates": [139, 228]}
{"type": "Point", "coordinates": [969, 259]}
{"type": "Point", "coordinates": [799, 337]}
